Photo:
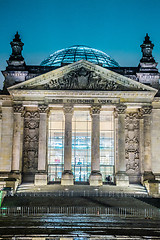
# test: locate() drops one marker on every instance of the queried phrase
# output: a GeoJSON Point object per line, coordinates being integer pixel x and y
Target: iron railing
{"type": "Point", "coordinates": [85, 211]}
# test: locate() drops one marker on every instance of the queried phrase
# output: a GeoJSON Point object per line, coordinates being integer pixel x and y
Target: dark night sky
{"type": "Point", "coordinates": [116, 27]}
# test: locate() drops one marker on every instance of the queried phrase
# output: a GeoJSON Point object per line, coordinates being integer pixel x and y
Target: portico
{"type": "Point", "coordinates": [81, 129]}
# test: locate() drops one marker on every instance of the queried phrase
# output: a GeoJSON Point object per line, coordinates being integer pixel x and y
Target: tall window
{"type": "Point", "coordinates": [81, 145]}
{"type": "Point", "coordinates": [55, 145]}
{"type": "Point", "coordinates": [106, 145]}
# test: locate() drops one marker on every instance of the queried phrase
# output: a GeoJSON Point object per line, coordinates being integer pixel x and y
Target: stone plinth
{"type": "Point", "coordinates": [13, 183]}
{"type": "Point", "coordinates": [2, 184]}
{"type": "Point", "coordinates": [67, 178]}
{"type": "Point", "coordinates": [95, 179]}
{"type": "Point", "coordinates": [148, 175]}
{"type": "Point", "coordinates": [40, 179]}
{"type": "Point", "coordinates": [152, 187]}
{"type": "Point", "coordinates": [122, 179]}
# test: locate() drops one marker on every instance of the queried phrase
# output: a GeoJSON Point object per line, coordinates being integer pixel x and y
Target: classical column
{"type": "Point", "coordinates": [41, 175]}
{"type": "Point", "coordinates": [67, 175]}
{"type": "Point", "coordinates": [121, 176]}
{"type": "Point", "coordinates": [95, 178]}
{"type": "Point", "coordinates": [147, 166]}
{"type": "Point", "coordinates": [16, 155]}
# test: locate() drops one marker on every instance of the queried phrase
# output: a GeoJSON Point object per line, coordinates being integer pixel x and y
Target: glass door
{"type": "Point", "coordinates": [81, 145]}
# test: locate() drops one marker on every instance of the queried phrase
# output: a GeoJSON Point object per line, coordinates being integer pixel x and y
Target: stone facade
{"type": "Point", "coordinates": [80, 86]}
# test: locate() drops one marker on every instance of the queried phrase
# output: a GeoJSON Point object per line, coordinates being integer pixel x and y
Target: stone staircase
{"type": "Point", "coordinates": [57, 189]}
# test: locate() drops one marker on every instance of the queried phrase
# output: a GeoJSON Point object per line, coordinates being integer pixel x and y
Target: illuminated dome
{"type": "Point", "coordinates": [79, 52]}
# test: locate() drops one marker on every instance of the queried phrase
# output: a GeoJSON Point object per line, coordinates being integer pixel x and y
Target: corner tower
{"type": "Point", "coordinates": [16, 58]}
{"type": "Point", "coordinates": [15, 71]}
{"type": "Point", "coordinates": [147, 69]}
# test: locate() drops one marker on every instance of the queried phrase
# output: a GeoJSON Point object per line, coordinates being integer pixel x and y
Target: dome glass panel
{"type": "Point", "coordinates": [77, 53]}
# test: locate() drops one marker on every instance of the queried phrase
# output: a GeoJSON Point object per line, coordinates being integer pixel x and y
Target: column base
{"type": "Point", "coordinates": [17, 175]}
{"type": "Point", "coordinates": [152, 187]}
{"type": "Point", "coordinates": [157, 176]}
{"type": "Point", "coordinates": [122, 179]}
{"type": "Point", "coordinates": [67, 178]}
{"type": "Point", "coordinates": [95, 178]}
{"type": "Point", "coordinates": [40, 179]}
{"type": "Point", "coordinates": [148, 175]}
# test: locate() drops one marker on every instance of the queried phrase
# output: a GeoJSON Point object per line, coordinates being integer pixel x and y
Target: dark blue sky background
{"type": "Point", "coordinates": [116, 27]}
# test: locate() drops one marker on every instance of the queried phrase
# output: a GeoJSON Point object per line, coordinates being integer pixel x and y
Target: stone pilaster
{"type": "Point", "coordinates": [121, 176]}
{"type": "Point", "coordinates": [67, 175]}
{"type": "Point", "coordinates": [95, 178]}
{"type": "Point", "coordinates": [147, 166]}
{"type": "Point", "coordinates": [41, 175]}
{"type": "Point", "coordinates": [7, 139]}
{"type": "Point", "coordinates": [16, 155]}
{"type": "Point", "coordinates": [30, 144]}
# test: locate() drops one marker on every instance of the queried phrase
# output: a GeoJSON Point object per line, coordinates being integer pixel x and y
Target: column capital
{"type": "Point", "coordinates": [145, 110]}
{"type": "Point", "coordinates": [43, 108]}
{"type": "Point", "coordinates": [68, 109]}
{"type": "Point", "coordinates": [95, 109]}
{"type": "Point", "coordinates": [18, 108]}
{"type": "Point", "coordinates": [120, 109]}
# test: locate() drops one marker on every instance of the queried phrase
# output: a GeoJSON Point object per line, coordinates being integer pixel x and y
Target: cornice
{"type": "Point", "coordinates": [90, 94]}
{"type": "Point", "coordinates": [5, 97]}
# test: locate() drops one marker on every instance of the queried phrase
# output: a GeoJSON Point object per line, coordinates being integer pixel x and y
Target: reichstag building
{"type": "Point", "coordinates": [79, 117]}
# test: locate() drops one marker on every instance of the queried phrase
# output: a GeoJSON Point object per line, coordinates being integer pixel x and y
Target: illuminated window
{"type": "Point", "coordinates": [55, 146]}
{"type": "Point", "coordinates": [81, 145]}
{"type": "Point", "coordinates": [106, 144]}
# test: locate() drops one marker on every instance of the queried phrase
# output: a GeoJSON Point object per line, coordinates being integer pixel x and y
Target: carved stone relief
{"type": "Point", "coordinates": [43, 108]}
{"type": "Point", "coordinates": [95, 109]}
{"type": "Point", "coordinates": [132, 143]}
{"type": "Point", "coordinates": [81, 79]}
{"type": "Point", "coordinates": [18, 108]}
{"type": "Point", "coordinates": [68, 109]}
{"type": "Point", "coordinates": [31, 135]}
{"type": "Point", "coordinates": [84, 79]}
{"type": "Point", "coordinates": [120, 109]}
{"type": "Point", "coordinates": [145, 110]}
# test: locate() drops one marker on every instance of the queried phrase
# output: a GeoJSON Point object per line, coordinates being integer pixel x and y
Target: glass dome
{"type": "Point", "coordinates": [79, 52]}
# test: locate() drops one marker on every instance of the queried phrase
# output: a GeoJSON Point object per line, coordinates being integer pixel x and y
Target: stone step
{"type": "Point", "coordinates": [135, 189]}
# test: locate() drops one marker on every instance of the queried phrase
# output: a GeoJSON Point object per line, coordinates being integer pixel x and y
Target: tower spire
{"type": "Point", "coordinates": [147, 70]}
{"type": "Point", "coordinates": [146, 49]}
{"type": "Point", "coordinates": [16, 57]}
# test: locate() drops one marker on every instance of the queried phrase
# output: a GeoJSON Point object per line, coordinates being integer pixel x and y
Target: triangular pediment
{"type": "Point", "coordinates": [82, 75]}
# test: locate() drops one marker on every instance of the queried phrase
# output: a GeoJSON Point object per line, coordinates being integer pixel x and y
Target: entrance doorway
{"type": "Point", "coordinates": [81, 145]}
